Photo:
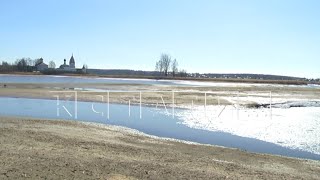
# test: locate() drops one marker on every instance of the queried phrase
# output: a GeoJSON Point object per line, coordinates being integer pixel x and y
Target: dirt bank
{"type": "Point", "coordinates": [157, 94]}
{"type": "Point", "coordinates": [35, 149]}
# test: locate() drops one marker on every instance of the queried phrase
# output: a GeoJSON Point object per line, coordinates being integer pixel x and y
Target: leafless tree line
{"type": "Point", "coordinates": [23, 64]}
{"type": "Point", "coordinates": [165, 64]}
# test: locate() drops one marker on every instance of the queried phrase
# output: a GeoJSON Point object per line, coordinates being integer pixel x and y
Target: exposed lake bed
{"type": "Point", "coordinates": [273, 119]}
{"type": "Point", "coordinates": [190, 125]}
{"type": "Point", "coordinates": [210, 106]}
{"type": "Point", "coordinates": [38, 148]}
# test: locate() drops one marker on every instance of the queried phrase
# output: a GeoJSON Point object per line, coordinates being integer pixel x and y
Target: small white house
{"type": "Point", "coordinates": [42, 66]}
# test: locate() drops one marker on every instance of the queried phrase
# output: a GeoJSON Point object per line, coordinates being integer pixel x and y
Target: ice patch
{"type": "Point", "coordinates": [295, 128]}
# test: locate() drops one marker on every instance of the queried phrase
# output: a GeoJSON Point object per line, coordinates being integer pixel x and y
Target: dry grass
{"type": "Point", "coordinates": [153, 94]}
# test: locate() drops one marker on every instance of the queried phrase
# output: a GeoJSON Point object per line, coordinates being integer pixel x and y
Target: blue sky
{"type": "Point", "coordinates": [262, 36]}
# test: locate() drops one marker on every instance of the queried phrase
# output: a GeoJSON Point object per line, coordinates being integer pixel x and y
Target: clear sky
{"type": "Point", "coordinates": [219, 36]}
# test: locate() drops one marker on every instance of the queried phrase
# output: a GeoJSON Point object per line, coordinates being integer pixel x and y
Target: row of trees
{"type": "Point", "coordinates": [165, 64]}
{"type": "Point", "coordinates": [24, 65]}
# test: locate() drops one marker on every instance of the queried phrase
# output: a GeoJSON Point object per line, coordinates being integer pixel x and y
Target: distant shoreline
{"type": "Point", "coordinates": [228, 80]}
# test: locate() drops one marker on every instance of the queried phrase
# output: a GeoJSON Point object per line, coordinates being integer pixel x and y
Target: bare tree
{"type": "Point", "coordinates": [159, 66]}
{"type": "Point", "coordinates": [21, 64]}
{"type": "Point", "coordinates": [5, 63]}
{"type": "Point", "coordinates": [183, 73]}
{"type": "Point", "coordinates": [5, 67]}
{"type": "Point", "coordinates": [174, 67]}
{"type": "Point", "coordinates": [30, 62]}
{"type": "Point", "coordinates": [163, 64]}
{"type": "Point", "coordinates": [52, 65]}
{"type": "Point", "coordinates": [166, 60]}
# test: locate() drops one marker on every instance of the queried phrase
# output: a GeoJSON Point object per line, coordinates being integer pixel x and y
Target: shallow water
{"type": "Point", "coordinates": [296, 127]}
{"type": "Point", "coordinates": [4, 78]}
{"type": "Point", "coordinates": [153, 121]}
{"type": "Point", "coordinates": [73, 79]}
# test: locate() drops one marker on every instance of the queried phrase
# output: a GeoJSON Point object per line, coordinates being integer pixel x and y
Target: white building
{"type": "Point", "coordinates": [70, 67]}
{"type": "Point", "coordinates": [41, 66]}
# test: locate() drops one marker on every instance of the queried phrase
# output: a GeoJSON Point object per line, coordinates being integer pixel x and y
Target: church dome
{"type": "Point", "coordinates": [71, 60]}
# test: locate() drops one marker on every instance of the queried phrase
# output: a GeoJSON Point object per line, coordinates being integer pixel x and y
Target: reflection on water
{"type": "Point", "coordinates": [153, 122]}
{"type": "Point", "coordinates": [73, 79]}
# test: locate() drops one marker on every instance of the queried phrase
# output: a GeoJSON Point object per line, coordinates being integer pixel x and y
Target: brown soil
{"type": "Point", "coordinates": [183, 96]}
{"type": "Point", "coordinates": [47, 149]}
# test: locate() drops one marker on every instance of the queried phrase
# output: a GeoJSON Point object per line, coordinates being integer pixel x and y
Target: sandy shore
{"type": "Point", "coordinates": [157, 94]}
{"type": "Point", "coordinates": [46, 149]}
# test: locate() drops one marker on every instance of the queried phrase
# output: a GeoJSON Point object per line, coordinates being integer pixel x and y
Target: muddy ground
{"type": "Point", "coordinates": [47, 149]}
{"type": "Point", "coordinates": [159, 94]}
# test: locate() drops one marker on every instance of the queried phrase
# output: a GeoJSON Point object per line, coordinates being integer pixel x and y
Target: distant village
{"type": "Point", "coordinates": [39, 65]}
{"type": "Point", "coordinates": [71, 67]}
{"type": "Point", "coordinates": [161, 71]}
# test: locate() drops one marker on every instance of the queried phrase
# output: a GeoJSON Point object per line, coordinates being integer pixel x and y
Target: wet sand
{"type": "Point", "coordinates": [153, 94]}
{"type": "Point", "coordinates": [46, 149]}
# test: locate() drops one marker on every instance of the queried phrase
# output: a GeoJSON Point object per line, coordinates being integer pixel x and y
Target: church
{"type": "Point", "coordinates": [70, 67]}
